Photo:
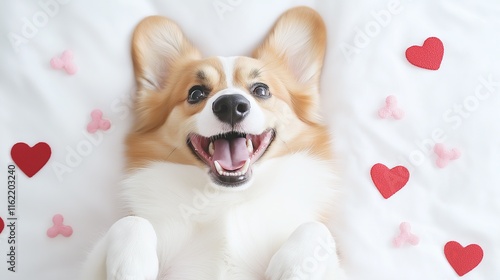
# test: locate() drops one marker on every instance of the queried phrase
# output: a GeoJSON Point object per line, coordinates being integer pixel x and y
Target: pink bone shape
{"type": "Point", "coordinates": [444, 156]}
{"type": "Point", "coordinates": [391, 109]}
{"type": "Point", "coordinates": [405, 236]}
{"type": "Point", "coordinates": [64, 62]}
{"type": "Point", "coordinates": [59, 227]}
{"type": "Point", "coordinates": [97, 122]}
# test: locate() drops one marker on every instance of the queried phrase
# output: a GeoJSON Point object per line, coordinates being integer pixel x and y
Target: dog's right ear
{"type": "Point", "coordinates": [158, 45]}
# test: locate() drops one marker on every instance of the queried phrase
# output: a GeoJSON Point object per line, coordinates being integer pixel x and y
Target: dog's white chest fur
{"type": "Point", "coordinates": [208, 233]}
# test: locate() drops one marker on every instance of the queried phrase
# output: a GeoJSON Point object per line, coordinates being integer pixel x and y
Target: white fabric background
{"type": "Point", "coordinates": [365, 63]}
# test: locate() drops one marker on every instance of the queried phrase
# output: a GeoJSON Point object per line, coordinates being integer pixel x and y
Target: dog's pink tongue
{"type": "Point", "coordinates": [231, 154]}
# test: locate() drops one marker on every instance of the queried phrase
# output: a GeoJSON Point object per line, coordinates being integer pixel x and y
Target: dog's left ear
{"type": "Point", "coordinates": [298, 39]}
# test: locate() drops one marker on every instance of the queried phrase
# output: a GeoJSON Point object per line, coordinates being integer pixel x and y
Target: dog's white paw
{"type": "Point", "coordinates": [308, 254]}
{"type": "Point", "coordinates": [131, 253]}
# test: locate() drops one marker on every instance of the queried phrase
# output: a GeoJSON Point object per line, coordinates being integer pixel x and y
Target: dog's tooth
{"type": "Point", "coordinates": [211, 148]}
{"type": "Point", "coordinates": [219, 168]}
{"type": "Point", "coordinates": [245, 167]}
{"type": "Point", "coordinates": [249, 146]}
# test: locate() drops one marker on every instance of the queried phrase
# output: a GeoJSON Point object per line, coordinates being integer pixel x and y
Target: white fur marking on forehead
{"type": "Point", "coordinates": [228, 68]}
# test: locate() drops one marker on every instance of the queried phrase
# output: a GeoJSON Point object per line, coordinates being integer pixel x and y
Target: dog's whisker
{"type": "Point", "coordinates": [171, 152]}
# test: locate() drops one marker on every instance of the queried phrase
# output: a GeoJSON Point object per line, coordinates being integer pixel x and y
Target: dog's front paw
{"type": "Point", "coordinates": [131, 253]}
{"type": "Point", "coordinates": [308, 254]}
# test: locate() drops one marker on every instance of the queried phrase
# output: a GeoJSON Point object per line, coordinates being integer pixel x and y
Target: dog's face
{"type": "Point", "coordinates": [226, 114]}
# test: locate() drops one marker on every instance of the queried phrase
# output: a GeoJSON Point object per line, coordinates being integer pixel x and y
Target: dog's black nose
{"type": "Point", "coordinates": [231, 108]}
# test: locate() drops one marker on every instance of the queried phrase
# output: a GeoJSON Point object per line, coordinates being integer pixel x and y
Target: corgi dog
{"type": "Point", "coordinates": [230, 169]}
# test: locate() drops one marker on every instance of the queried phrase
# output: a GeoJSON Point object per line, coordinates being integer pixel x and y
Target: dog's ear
{"type": "Point", "coordinates": [298, 39]}
{"type": "Point", "coordinates": [158, 45]}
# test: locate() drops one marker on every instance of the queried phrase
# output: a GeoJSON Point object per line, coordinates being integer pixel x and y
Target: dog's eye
{"type": "Point", "coordinates": [261, 90]}
{"type": "Point", "coordinates": [196, 94]}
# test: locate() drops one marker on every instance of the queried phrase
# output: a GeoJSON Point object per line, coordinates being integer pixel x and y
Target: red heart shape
{"type": "Point", "coordinates": [461, 259]}
{"type": "Point", "coordinates": [428, 56]}
{"type": "Point", "coordinates": [2, 225]}
{"type": "Point", "coordinates": [30, 159]}
{"type": "Point", "coordinates": [389, 181]}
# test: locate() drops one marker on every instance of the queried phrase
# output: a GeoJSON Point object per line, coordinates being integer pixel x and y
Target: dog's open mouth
{"type": "Point", "coordinates": [230, 155]}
